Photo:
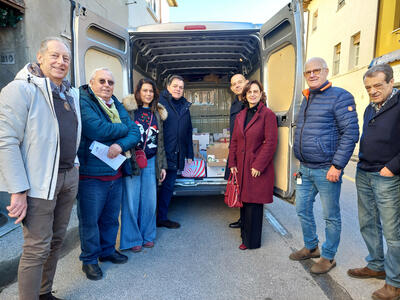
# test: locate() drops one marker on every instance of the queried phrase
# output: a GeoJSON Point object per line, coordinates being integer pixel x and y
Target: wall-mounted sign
{"type": "Point", "coordinates": [7, 58]}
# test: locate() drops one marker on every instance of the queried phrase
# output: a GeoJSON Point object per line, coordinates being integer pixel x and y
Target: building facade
{"type": "Point", "coordinates": [343, 32]}
{"type": "Point", "coordinates": [20, 39]}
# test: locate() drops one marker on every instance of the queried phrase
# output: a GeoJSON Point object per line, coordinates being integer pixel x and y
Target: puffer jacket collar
{"type": "Point", "coordinates": [130, 104]}
{"type": "Point", "coordinates": [326, 85]}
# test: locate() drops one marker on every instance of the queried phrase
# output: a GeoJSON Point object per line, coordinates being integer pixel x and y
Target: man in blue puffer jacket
{"type": "Point", "coordinates": [326, 133]}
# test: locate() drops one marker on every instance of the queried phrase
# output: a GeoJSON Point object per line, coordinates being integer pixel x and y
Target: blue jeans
{"type": "Point", "coordinates": [166, 191]}
{"type": "Point", "coordinates": [313, 182]}
{"type": "Point", "coordinates": [99, 203]}
{"type": "Point", "coordinates": [139, 203]}
{"type": "Point", "coordinates": [379, 210]}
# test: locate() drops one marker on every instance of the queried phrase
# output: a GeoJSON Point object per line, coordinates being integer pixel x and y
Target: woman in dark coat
{"type": "Point", "coordinates": [251, 155]}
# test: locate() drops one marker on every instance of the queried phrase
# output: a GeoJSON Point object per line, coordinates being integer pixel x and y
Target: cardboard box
{"type": "Point", "coordinates": [217, 154]}
{"type": "Point", "coordinates": [215, 171]}
{"type": "Point", "coordinates": [203, 138]}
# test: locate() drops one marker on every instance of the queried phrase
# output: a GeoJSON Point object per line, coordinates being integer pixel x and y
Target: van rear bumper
{"type": "Point", "coordinates": [199, 187]}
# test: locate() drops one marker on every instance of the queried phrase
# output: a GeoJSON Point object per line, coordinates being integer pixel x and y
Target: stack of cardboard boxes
{"type": "Point", "coordinates": [215, 154]}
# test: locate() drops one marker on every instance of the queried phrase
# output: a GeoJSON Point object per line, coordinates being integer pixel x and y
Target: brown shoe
{"type": "Point", "coordinates": [305, 253]}
{"type": "Point", "coordinates": [388, 292]}
{"type": "Point", "coordinates": [366, 272]}
{"type": "Point", "coordinates": [322, 266]}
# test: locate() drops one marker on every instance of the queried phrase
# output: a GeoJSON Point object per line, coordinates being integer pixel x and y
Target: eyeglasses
{"type": "Point", "coordinates": [103, 81]}
{"type": "Point", "coordinates": [315, 72]}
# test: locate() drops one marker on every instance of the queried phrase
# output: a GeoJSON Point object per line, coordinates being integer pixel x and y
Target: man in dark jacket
{"type": "Point", "coordinates": [378, 182]}
{"type": "Point", "coordinates": [238, 82]}
{"type": "Point", "coordinates": [104, 120]}
{"type": "Point", "coordinates": [326, 133]}
{"type": "Point", "coordinates": [177, 142]}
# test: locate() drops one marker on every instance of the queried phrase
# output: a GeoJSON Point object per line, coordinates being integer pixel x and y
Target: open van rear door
{"type": "Point", "coordinates": [98, 43]}
{"type": "Point", "coordinates": [282, 55]}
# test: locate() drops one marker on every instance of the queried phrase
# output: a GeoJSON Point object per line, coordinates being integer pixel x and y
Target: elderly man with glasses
{"type": "Point", "coordinates": [325, 137]}
{"type": "Point", "coordinates": [105, 120]}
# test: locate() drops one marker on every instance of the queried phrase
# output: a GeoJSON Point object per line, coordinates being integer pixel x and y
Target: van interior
{"type": "Point", "coordinates": [206, 55]}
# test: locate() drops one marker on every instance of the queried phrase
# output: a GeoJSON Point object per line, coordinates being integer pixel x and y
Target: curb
{"type": "Point", "coordinates": [9, 268]}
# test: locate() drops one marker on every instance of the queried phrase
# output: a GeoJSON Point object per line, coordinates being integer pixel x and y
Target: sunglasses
{"type": "Point", "coordinates": [315, 72]}
{"type": "Point", "coordinates": [103, 81]}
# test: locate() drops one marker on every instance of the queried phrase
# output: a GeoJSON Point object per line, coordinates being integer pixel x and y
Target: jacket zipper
{"type": "Point", "coordinates": [302, 127]}
{"type": "Point", "coordinates": [55, 155]}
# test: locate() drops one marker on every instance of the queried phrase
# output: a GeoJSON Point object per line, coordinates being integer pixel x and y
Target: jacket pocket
{"type": "Point", "coordinates": [325, 148]}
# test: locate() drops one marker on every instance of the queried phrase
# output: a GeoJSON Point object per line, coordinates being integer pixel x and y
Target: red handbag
{"type": "Point", "coordinates": [232, 192]}
{"type": "Point", "coordinates": [140, 155]}
{"type": "Point", "coordinates": [141, 158]}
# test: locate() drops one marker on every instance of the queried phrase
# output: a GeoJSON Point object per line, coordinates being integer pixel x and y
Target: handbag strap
{"type": "Point", "coordinates": [147, 132]}
{"type": "Point", "coordinates": [232, 178]}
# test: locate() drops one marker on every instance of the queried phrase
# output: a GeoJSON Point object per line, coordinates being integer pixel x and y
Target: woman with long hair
{"type": "Point", "coordinates": [138, 212]}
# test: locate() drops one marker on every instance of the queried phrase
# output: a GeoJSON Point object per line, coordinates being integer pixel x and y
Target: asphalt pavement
{"type": "Point", "coordinates": [201, 260]}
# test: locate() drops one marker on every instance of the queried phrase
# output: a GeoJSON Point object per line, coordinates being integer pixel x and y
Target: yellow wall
{"type": "Point", "coordinates": [386, 41]}
{"type": "Point", "coordinates": [338, 26]}
{"type": "Point", "coordinates": [388, 38]}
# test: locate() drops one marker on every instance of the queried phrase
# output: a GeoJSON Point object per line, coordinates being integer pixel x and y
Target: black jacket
{"type": "Point", "coordinates": [236, 107]}
{"type": "Point", "coordinates": [380, 143]}
{"type": "Point", "coordinates": [178, 141]}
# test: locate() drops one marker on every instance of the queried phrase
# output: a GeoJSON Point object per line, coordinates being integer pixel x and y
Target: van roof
{"type": "Point", "coordinates": [181, 26]}
{"type": "Point", "coordinates": [221, 49]}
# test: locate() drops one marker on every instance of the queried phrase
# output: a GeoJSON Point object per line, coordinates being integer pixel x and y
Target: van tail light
{"type": "Point", "coordinates": [195, 27]}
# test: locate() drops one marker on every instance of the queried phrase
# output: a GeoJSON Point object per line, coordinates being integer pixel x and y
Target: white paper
{"type": "Point", "coordinates": [100, 151]}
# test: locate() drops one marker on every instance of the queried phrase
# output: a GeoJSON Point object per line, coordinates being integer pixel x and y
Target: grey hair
{"type": "Point", "coordinates": [44, 44]}
{"type": "Point", "coordinates": [170, 79]}
{"type": "Point", "coordinates": [93, 74]}
{"type": "Point", "coordinates": [317, 59]}
{"type": "Point", "coordinates": [381, 68]}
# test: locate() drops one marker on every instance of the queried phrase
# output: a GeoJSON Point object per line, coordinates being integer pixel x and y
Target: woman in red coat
{"type": "Point", "coordinates": [251, 156]}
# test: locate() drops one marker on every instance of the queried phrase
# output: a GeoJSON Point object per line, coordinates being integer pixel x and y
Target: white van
{"type": "Point", "coordinates": [206, 55]}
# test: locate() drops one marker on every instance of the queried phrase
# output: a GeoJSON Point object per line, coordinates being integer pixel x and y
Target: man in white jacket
{"type": "Point", "coordinates": [40, 130]}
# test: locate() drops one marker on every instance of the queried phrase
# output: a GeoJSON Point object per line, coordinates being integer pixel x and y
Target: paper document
{"type": "Point", "coordinates": [100, 151]}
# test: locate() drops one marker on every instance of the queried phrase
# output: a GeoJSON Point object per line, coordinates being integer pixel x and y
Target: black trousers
{"type": "Point", "coordinates": [251, 215]}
